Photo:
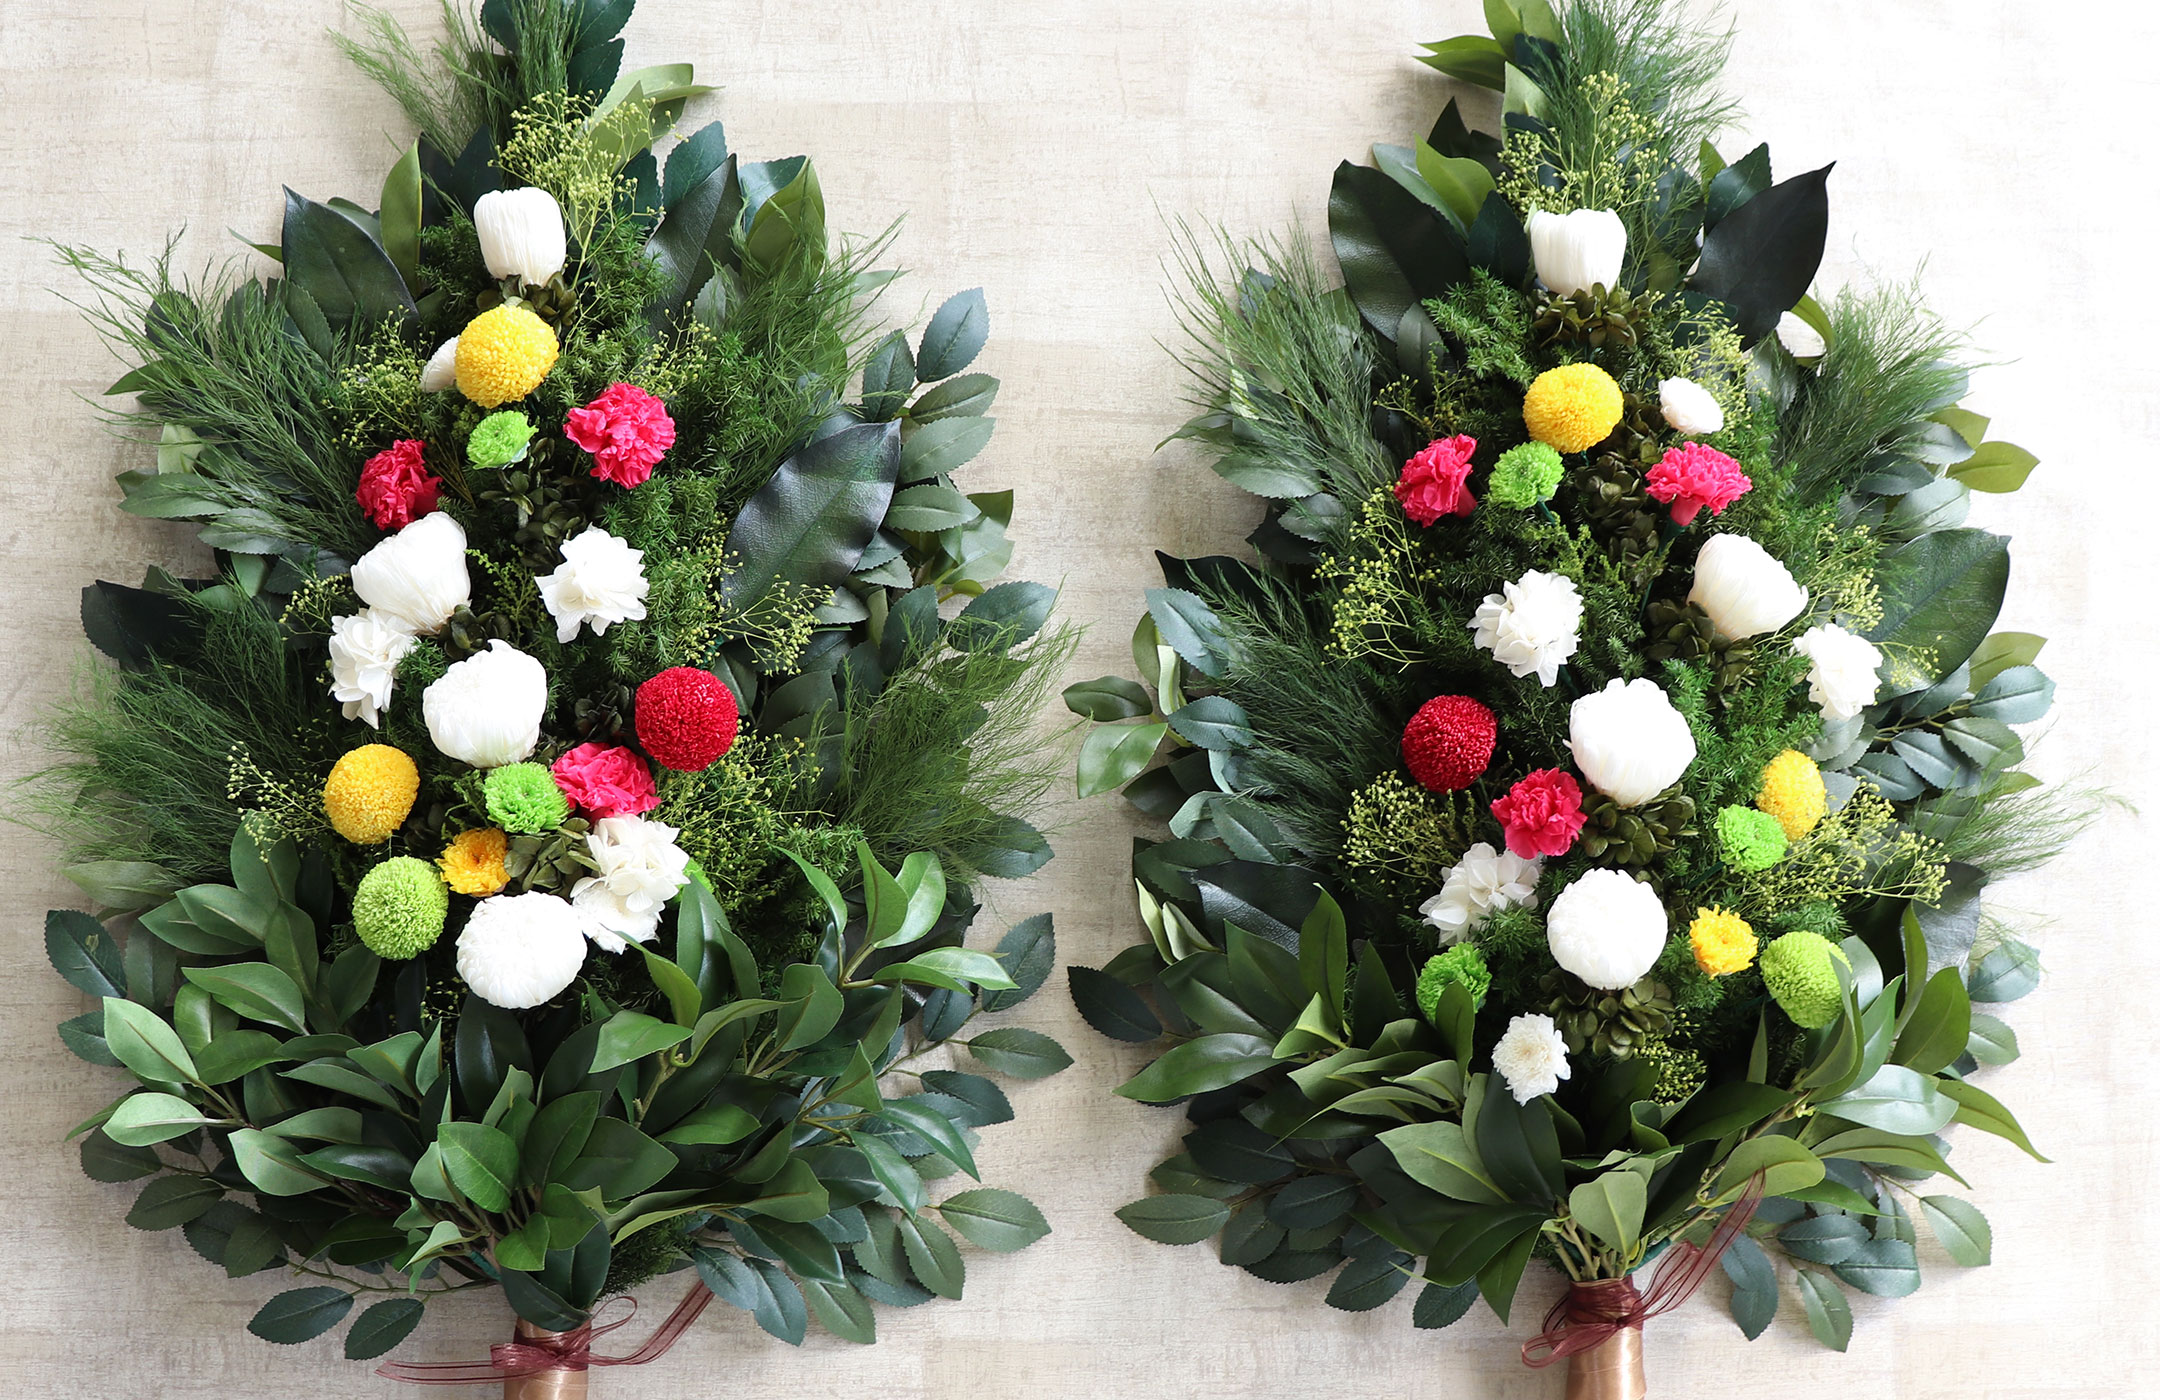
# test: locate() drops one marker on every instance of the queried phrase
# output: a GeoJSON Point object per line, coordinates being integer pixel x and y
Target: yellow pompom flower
{"type": "Point", "coordinates": [473, 862]}
{"type": "Point", "coordinates": [1724, 942]}
{"type": "Point", "coordinates": [503, 354]}
{"type": "Point", "coordinates": [1572, 408]}
{"type": "Point", "coordinates": [370, 792]}
{"type": "Point", "coordinates": [1792, 791]}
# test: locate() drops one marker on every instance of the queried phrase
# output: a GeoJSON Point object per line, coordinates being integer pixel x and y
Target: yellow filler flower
{"type": "Point", "coordinates": [503, 354]}
{"type": "Point", "coordinates": [473, 862]}
{"type": "Point", "coordinates": [370, 792]}
{"type": "Point", "coordinates": [1569, 409]}
{"type": "Point", "coordinates": [1792, 791]}
{"type": "Point", "coordinates": [1723, 941]}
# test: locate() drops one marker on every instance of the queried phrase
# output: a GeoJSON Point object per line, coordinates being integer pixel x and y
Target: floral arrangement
{"type": "Point", "coordinates": [1579, 812]}
{"type": "Point", "coordinates": [537, 852]}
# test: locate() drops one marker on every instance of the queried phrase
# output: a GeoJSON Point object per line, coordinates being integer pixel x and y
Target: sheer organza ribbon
{"type": "Point", "coordinates": [1590, 1314]}
{"type": "Point", "coordinates": [562, 1351]}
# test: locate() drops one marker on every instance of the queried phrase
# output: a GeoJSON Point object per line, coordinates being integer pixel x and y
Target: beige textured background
{"type": "Point", "coordinates": [1033, 147]}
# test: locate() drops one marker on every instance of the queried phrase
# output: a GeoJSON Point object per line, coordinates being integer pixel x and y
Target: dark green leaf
{"type": "Point", "coordinates": [1395, 250]}
{"type": "Point", "coordinates": [1108, 698]}
{"type": "Point", "coordinates": [1028, 950]}
{"type": "Point", "coordinates": [382, 1327]}
{"type": "Point", "coordinates": [299, 1314]}
{"type": "Point", "coordinates": [1760, 259]}
{"type": "Point", "coordinates": [809, 523]}
{"type": "Point", "coordinates": [1175, 1219]}
{"type": "Point", "coordinates": [342, 267]}
{"type": "Point", "coordinates": [1111, 1007]}
{"type": "Point", "coordinates": [1366, 1283]}
{"type": "Point", "coordinates": [1519, 1146]}
{"type": "Point", "coordinates": [1941, 593]}
{"type": "Point", "coordinates": [954, 337]}
{"type": "Point", "coordinates": [173, 1200]}
{"type": "Point", "coordinates": [999, 1221]}
{"type": "Point", "coordinates": [1197, 1066]}
{"type": "Point", "coordinates": [1829, 1316]}
{"type": "Point", "coordinates": [1002, 617]}
{"type": "Point", "coordinates": [84, 953]}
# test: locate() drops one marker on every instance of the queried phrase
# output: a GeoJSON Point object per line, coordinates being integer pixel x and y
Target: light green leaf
{"type": "Point", "coordinates": [1611, 1208]}
{"type": "Point", "coordinates": [146, 1044]}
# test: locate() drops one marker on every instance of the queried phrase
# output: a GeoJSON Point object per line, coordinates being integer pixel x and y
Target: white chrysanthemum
{"type": "Point", "coordinates": [520, 950]}
{"type": "Point", "coordinates": [1607, 928]}
{"type": "Point", "coordinates": [1531, 625]}
{"type": "Point", "coordinates": [639, 869]}
{"type": "Point", "coordinates": [521, 234]}
{"type": "Point", "coordinates": [1842, 681]}
{"type": "Point", "coordinates": [1577, 251]}
{"type": "Point", "coordinates": [440, 372]}
{"type": "Point", "coordinates": [600, 582]}
{"type": "Point", "coordinates": [1483, 882]}
{"type": "Point", "coordinates": [1629, 741]}
{"type": "Point", "coordinates": [1801, 340]}
{"type": "Point", "coordinates": [1531, 1056]}
{"type": "Point", "coordinates": [1743, 588]}
{"type": "Point", "coordinates": [364, 656]}
{"type": "Point", "coordinates": [486, 709]}
{"type": "Point", "coordinates": [1689, 409]}
{"type": "Point", "coordinates": [416, 578]}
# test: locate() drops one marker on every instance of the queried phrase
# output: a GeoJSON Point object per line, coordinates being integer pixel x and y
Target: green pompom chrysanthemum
{"type": "Point", "coordinates": [499, 440]}
{"type": "Point", "coordinates": [1462, 963]}
{"type": "Point", "coordinates": [1800, 971]}
{"type": "Point", "coordinates": [522, 799]}
{"type": "Point", "coordinates": [1750, 840]}
{"type": "Point", "coordinates": [1524, 476]}
{"type": "Point", "coordinates": [399, 907]}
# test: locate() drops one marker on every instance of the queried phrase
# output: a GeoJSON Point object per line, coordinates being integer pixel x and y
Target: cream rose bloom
{"type": "Point", "coordinates": [1531, 1057]}
{"type": "Point", "coordinates": [364, 656]}
{"type": "Point", "coordinates": [639, 868]}
{"type": "Point", "coordinates": [416, 579]}
{"type": "Point", "coordinates": [600, 582]}
{"type": "Point", "coordinates": [1743, 588]}
{"type": "Point", "coordinates": [1629, 741]}
{"type": "Point", "coordinates": [521, 234]}
{"type": "Point", "coordinates": [1689, 409]}
{"type": "Point", "coordinates": [1842, 681]}
{"type": "Point", "coordinates": [440, 372]}
{"type": "Point", "coordinates": [486, 709]}
{"type": "Point", "coordinates": [1607, 928]}
{"type": "Point", "coordinates": [1483, 882]}
{"type": "Point", "coordinates": [1531, 625]}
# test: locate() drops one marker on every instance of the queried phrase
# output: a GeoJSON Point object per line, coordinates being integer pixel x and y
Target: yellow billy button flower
{"type": "Point", "coordinates": [1572, 408]}
{"type": "Point", "coordinates": [1792, 791]}
{"type": "Point", "coordinates": [1723, 941]}
{"type": "Point", "coordinates": [473, 862]}
{"type": "Point", "coordinates": [503, 354]}
{"type": "Point", "coordinates": [370, 792]}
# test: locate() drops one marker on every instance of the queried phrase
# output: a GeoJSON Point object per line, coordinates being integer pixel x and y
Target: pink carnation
{"type": "Point", "coordinates": [626, 429]}
{"type": "Point", "coordinates": [395, 487]}
{"type": "Point", "coordinates": [605, 782]}
{"type": "Point", "coordinates": [1694, 476]}
{"type": "Point", "coordinates": [1542, 814]}
{"type": "Point", "coordinates": [1432, 481]}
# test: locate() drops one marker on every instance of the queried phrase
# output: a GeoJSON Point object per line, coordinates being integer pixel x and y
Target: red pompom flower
{"type": "Point", "coordinates": [1448, 742]}
{"type": "Point", "coordinates": [1693, 476]}
{"type": "Point", "coordinates": [605, 781]}
{"type": "Point", "coordinates": [1542, 815]}
{"type": "Point", "coordinates": [627, 431]}
{"type": "Point", "coordinates": [1432, 481]}
{"type": "Point", "coordinates": [395, 487]}
{"type": "Point", "coordinates": [686, 718]}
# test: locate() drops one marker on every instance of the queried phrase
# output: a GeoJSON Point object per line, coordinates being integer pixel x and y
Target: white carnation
{"type": "Point", "coordinates": [416, 579]}
{"type": "Point", "coordinates": [1629, 741]}
{"type": "Point", "coordinates": [364, 656]}
{"type": "Point", "coordinates": [1577, 251]}
{"type": "Point", "coordinates": [600, 582]}
{"type": "Point", "coordinates": [1690, 409]}
{"type": "Point", "coordinates": [486, 709]}
{"type": "Point", "coordinates": [1842, 681]}
{"type": "Point", "coordinates": [520, 950]}
{"type": "Point", "coordinates": [1743, 588]}
{"type": "Point", "coordinates": [521, 234]}
{"type": "Point", "coordinates": [1801, 340]}
{"type": "Point", "coordinates": [440, 372]}
{"type": "Point", "coordinates": [1531, 1056]}
{"type": "Point", "coordinates": [639, 868]}
{"type": "Point", "coordinates": [1607, 928]}
{"type": "Point", "coordinates": [1530, 626]}
{"type": "Point", "coordinates": [1483, 882]}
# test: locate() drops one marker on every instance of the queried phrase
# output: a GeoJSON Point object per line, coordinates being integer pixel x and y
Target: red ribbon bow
{"type": "Point", "coordinates": [1590, 1314]}
{"type": "Point", "coordinates": [564, 1351]}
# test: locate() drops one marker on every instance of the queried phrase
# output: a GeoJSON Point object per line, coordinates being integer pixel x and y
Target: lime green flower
{"type": "Point", "coordinates": [499, 440]}
{"type": "Point", "coordinates": [1800, 970]}
{"type": "Point", "coordinates": [522, 799]}
{"type": "Point", "coordinates": [399, 907]}
{"type": "Point", "coordinates": [1524, 476]}
{"type": "Point", "coordinates": [1462, 963]}
{"type": "Point", "coordinates": [1750, 840]}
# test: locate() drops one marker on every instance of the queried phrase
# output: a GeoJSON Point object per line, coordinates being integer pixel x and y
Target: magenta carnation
{"type": "Point", "coordinates": [1693, 476]}
{"type": "Point", "coordinates": [602, 781]}
{"type": "Point", "coordinates": [625, 429]}
{"type": "Point", "coordinates": [1432, 481]}
{"type": "Point", "coordinates": [1542, 814]}
{"type": "Point", "coordinates": [395, 486]}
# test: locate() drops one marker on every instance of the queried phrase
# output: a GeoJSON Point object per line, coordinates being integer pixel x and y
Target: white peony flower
{"type": "Point", "coordinates": [486, 709]}
{"type": "Point", "coordinates": [1743, 588]}
{"type": "Point", "coordinates": [1531, 1057]}
{"type": "Point", "coordinates": [601, 582]}
{"type": "Point", "coordinates": [440, 372]}
{"type": "Point", "coordinates": [519, 950]}
{"type": "Point", "coordinates": [1577, 251]}
{"type": "Point", "coordinates": [1842, 681]}
{"type": "Point", "coordinates": [1629, 741]}
{"type": "Point", "coordinates": [1607, 928]}
{"type": "Point", "coordinates": [639, 869]}
{"type": "Point", "coordinates": [1690, 409]}
{"type": "Point", "coordinates": [364, 656]}
{"type": "Point", "coordinates": [416, 579]}
{"type": "Point", "coordinates": [1483, 882]}
{"type": "Point", "coordinates": [521, 234]}
{"type": "Point", "coordinates": [1801, 340]}
{"type": "Point", "coordinates": [1530, 625]}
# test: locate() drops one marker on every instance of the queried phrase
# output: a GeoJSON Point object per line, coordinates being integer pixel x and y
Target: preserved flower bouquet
{"type": "Point", "coordinates": [536, 851]}
{"type": "Point", "coordinates": [1579, 811]}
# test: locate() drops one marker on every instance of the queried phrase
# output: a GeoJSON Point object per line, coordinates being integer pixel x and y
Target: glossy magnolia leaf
{"type": "Point", "coordinates": [1760, 259]}
{"type": "Point", "coordinates": [1111, 1007]}
{"type": "Point", "coordinates": [1108, 698]}
{"type": "Point", "coordinates": [342, 267]}
{"type": "Point", "coordinates": [1940, 595]}
{"type": "Point", "coordinates": [299, 1314]}
{"type": "Point", "coordinates": [1197, 1066]}
{"type": "Point", "coordinates": [1395, 250]}
{"type": "Point", "coordinates": [809, 523]}
{"type": "Point", "coordinates": [1114, 754]}
{"type": "Point", "coordinates": [1177, 1219]}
